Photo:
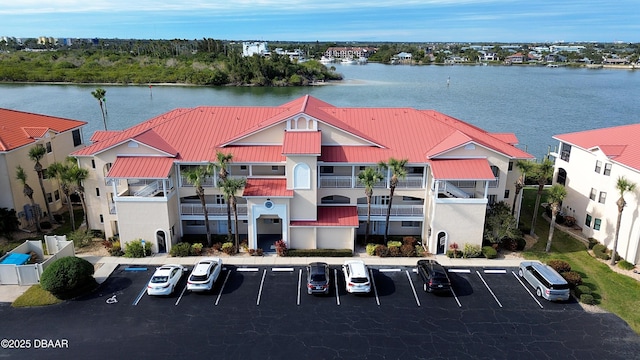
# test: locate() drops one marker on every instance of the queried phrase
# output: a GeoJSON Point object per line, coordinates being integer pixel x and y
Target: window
{"type": "Point", "coordinates": [592, 196]}
{"type": "Point", "coordinates": [101, 219]}
{"type": "Point", "coordinates": [44, 174]}
{"type": "Point", "coordinates": [411, 224]}
{"type": "Point", "coordinates": [48, 146]}
{"type": "Point", "coordinates": [603, 197]}
{"type": "Point", "coordinates": [506, 194]}
{"type": "Point", "coordinates": [194, 222]}
{"type": "Point", "coordinates": [97, 191]}
{"type": "Point", "coordinates": [588, 221]}
{"type": "Point", "coordinates": [243, 167]}
{"type": "Point", "coordinates": [496, 173]}
{"type": "Point", "coordinates": [93, 163]}
{"type": "Point", "coordinates": [598, 166]}
{"type": "Point", "coordinates": [607, 169]}
{"type": "Point", "coordinates": [493, 199]}
{"type": "Point", "coordinates": [326, 169]}
{"type": "Point", "coordinates": [510, 165]}
{"type": "Point", "coordinates": [274, 168]}
{"type": "Point", "coordinates": [56, 195]}
{"type": "Point", "coordinates": [565, 152]}
{"type": "Point", "coordinates": [301, 176]}
{"type": "Point", "coordinates": [596, 224]}
{"type": "Point", "coordinates": [49, 198]}
{"type": "Point", "coordinates": [77, 139]}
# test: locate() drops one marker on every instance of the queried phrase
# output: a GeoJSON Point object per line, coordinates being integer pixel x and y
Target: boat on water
{"type": "Point", "coordinates": [327, 59]}
{"type": "Point", "coordinates": [552, 65]}
{"type": "Point", "coordinates": [348, 61]}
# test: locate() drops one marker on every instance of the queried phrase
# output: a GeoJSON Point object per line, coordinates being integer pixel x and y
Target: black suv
{"type": "Point", "coordinates": [318, 278]}
{"type": "Point", "coordinates": [434, 276]}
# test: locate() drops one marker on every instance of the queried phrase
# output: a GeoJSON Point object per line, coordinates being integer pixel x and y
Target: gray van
{"type": "Point", "coordinates": [547, 282]}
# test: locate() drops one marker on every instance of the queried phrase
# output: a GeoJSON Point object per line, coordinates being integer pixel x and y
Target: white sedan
{"type": "Point", "coordinates": [165, 279]}
{"type": "Point", "coordinates": [204, 274]}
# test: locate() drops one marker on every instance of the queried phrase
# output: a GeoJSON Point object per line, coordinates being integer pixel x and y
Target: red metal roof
{"type": "Point", "coordinates": [462, 169]}
{"type": "Point", "coordinates": [266, 188]}
{"type": "Point", "coordinates": [374, 134]}
{"type": "Point", "coordinates": [18, 128]}
{"type": "Point", "coordinates": [302, 143]}
{"type": "Point", "coordinates": [332, 216]}
{"type": "Point", "coordinates": [141, 167]}
{"type": "Point", "coordinates": [619, 143]}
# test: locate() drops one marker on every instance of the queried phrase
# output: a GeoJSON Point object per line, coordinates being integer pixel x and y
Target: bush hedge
{"type": "Point", "coordinates": [371, 249]}
{"type": "Point", "coordinates": [320, 252]}
{"type": "Point", "coordinates": [489, 252]}
{"type": "Point", "coordinates": [582, 289]}
{"type": "Point", "coordinates": [180, 249]}
{"type": "Point", "coordinates": [382, 251]}
{"type": "Point", "coordinates": [625, 265]}
{"type": "Point", "coordinates": [592, 242]}
{"type": "Point", "coordinates": [133, 249]}
{"type": "Point", "coordinates": [228, 248]}
{"type": "Point", "coordinates": [67, 277]}
{"type": "Point", "coordinates": [587, 299]}
{"type": "Point", "coordinates": [471, 251]}
{"type": "Point", "coordinates": [559, 265]}
{"type": "Point", "coordinates": [573, 278]}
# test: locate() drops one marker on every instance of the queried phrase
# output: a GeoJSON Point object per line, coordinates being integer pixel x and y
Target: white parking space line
{"type": "Point", "coordinates": [459, 270]}
{"type": "Point", "coordinates": [389, 270]}
{"type": "Point", "coordinates": [222, 289]}
{"type": "Point", "coordinates": [264, 273]}
{"type": "Point", "coordinates": [526, 288]}
{"type": "Point", "coordinates": [375, 289]}
{"type": "Point", "coordinates": [413, 288]}
{"type": "Point", "coordinates": [299, 285]}
{"type": "Point", "coordinates": [495, 271]}
{"type": "Point", "coordinates": [289, 269]}
{"type": "Point", "coordinates": [456, 297]}
{"type": "Point", "coordinates": [181, 294]}
{"type": "Point", "coordinates": [335, 283]}
{"type": "Point", "coordinates": [488, 288]}
{"type": "Point", "coordinates": [137, 300]}
{"type": "Point", "coordinates": [247, 269]}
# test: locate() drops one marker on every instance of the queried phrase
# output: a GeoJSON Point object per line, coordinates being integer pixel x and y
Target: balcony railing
{"type": "Point", "coordinates": [330, 181]}
{"type": "Point", "coordinates": [149, 189]}
{"type": "Point", "coordinates": [212, 209]}
{"type": "Point", "coordinates": [451, 190]}
{"type": "Point", "coordinates": [396, 210]}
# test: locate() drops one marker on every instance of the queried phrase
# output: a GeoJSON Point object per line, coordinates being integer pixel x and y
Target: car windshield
{"type": "Point", "coordinates": [359, 280]}
{"type": "Point", "coordinates": [198, 277]}
{"type": "Point", "coordinates": [318, 277]}
{"type": "Point", "coordinates": [159, 279]}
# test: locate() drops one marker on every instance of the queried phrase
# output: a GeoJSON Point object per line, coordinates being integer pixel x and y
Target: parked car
{"type": "Point", "coordinates": [204, 274]}
{"type": "Point", "coordinates": [547, 282]}
{"type": "Point", "coordinates": [165, 279]}
{"type": "Point", "coordinates": [356, 276]}
{"type": "Point", "coordinates": [318, 278]}
{"type": "Point", "coordinates": [434, 276]}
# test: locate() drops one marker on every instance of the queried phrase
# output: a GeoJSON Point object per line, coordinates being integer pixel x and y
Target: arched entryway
{"type": "Point", "coordinates": [442, 242]}
{"type": "Point", "coordinates": [269, 230]}
{"type": "Point", "coordinates": [161, 240]}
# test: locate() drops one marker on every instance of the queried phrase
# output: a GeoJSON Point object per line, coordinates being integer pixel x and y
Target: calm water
{"type": "Point", "coordinates": [533, 102]}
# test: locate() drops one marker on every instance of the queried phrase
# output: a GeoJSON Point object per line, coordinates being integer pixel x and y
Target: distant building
{"type": "Point", "coordinates": [350, 52]}
{"type": "Point", "coordinates": [251, 48]}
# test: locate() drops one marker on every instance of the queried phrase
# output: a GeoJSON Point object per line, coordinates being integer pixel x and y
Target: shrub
{"type": "Point", "coordinates": [559, 265]}
{"type": "Point", "coordinates": [67, 277]}
{"type": "Point", "coordinates": [573, 278]}
{"type": "Point", "coordinates": [587, 299]}
{"type": "Point", "coordinates": [489, 252]}
{"type": "Point", "coordinates": [281, 248]}
{"type": "Point", "coordinates": [453, 251]}
{"type": "Point", "coordinates": [471, 251]}
{"type": "Point", "coordinates": [133, 249]}
{"type": "Point", "coordinates": [228, 248]}
{"type": "Point", "coordinates": [371, 249]}
{"type": "Point", "coordinates": [409, 240]}
{"type": "Point", "coordinates": [180, 249]}
{"type": "Point", "coordinates": [582, 289]}
{"type": "Point", "coordinates": [217, 246]}
{"type": "Point", "coordinates": [625, 265]}
{"type": "Point", "coordinates": [320, 252]}
{"type": "Point", "coordinates": [80, 238]}
{"type": "Point", "coordinates": [244, 245]}
{"type": "Point", "coordinates": [115, 249]}
{"type": "Point", "coordinates": [394, 251]}
{"type": "Point", "coordinates": [600, 251]}
{"type": "Point", "coordinates": [408, 250]}
{"type": "Point", "coordinates": [391, 244]}
{"type": "Point", "coordinates": [196, 249]}
{"type": "Point", "coordinates": [420, 251]}
{"type": "Point", "coordinates": [382, 251]}
{"type": "Point", "coordinates": [592, 242]}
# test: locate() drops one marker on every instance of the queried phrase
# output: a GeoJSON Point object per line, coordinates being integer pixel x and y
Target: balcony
{"type": "Point", "coordinates": [396, 210]}
{"type": "Point", "coordinates": [212, 209]}
{"type": "Point", "coordinates": [348, 182]}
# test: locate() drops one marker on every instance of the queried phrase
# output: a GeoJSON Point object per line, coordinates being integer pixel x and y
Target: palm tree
{"type": "Point", "coordinates": [623, 186]}
{"type": "Point", "coordinates": [62, 172]}
{"type": "Point", "coordinates": [555, 196]}
{"type": "Point", "coordinates": [222, 162]}
{"type": "Point", "coordinates": [28, 192]}
{"type": "Point", "coordinates": [397, 170]}
{"type": "Point", "coordinates": [542, 172]}
{"type": "Point", "coordinates": [525, 167]}
{"type": "Point", "coordinates": [36, 154]}
{"type": "Point", "coordinates": [196, 176]}
{"type": "Point", "coordinates": [77, 175]}
{"type": "Point", "coordinates": [100, 94]}
{"type": "Point", "coordinates": [230, 187]}
{"type": "Point", "coordinates": [369, 178]}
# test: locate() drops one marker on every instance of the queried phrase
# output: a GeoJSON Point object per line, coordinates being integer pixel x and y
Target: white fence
{"type": "Point", "coordinates": [29, 274]}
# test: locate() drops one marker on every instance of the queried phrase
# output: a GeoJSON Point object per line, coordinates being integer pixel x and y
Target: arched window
{"type": "Point", "coordinates": [562, 176]}
{"type": "Point", "coordinates": [301, 176]}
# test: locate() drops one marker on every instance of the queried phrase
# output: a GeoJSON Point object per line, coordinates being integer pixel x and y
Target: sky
{"type": "Point", "coordinates": [327, 20]}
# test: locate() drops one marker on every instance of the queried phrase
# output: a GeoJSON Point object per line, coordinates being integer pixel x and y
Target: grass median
{"type": "Point", "coordinates": [614, 292]}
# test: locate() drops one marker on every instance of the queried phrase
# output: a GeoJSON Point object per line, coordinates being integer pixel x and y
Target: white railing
{"type": "Point", "coordinates": [212, 209]}
{"type": "Point", "coordinates": [329, 181]}
{"type": "Point", "coordinates": [208, 182]}
{"type": "Point", "coordinates": [396, 210]}
{"type": "Point", "coordinates": [452, 191]}
{"type": "Point", "coordinates": [149, 189]}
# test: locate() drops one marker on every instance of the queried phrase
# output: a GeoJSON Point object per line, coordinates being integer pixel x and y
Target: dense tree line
{"type": "Point", "coordinates": [202, 62]}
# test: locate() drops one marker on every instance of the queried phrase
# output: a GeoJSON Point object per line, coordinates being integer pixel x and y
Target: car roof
{"type": "Point", "coordinates": [358, 268]}
{"type": "Point", "coordinates": [547, 271]}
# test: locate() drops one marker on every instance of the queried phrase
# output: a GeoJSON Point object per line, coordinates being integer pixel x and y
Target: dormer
{"type": "Point", "coordinates": [302, 122]}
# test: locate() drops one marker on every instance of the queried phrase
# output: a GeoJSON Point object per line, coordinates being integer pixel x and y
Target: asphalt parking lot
{"type": "Point", "coordinates": [265, 312]}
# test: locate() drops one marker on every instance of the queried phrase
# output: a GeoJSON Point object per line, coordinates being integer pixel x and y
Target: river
{"type": "Point", "coordinates": [534, 102]}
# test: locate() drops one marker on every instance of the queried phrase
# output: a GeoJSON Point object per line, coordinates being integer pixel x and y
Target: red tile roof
{"type": "Point", "coordinates": [619, 143]}
{"type": "Point", "coordinates": [302, 143]}
{"type": "Point", "coordinates": [18, 128]}
{"type": "Point", "coordinates": [266, 188]}
{"type": "Point", "coordinates": [462, 169]}
{"type": "Point", "coordinates": [374, 133]}
{"type": "Point", "coordinates": [141, 167]}
{"type": "Point", "coordinates": [332, 216]}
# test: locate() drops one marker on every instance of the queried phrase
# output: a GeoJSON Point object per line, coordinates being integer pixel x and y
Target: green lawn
{"type": "Point", "coordinates": [35, 296]}
{"type": "Point", "coordinates": [613, 292]}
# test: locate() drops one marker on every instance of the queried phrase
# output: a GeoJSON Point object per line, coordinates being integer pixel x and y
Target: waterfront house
{"type": "Point", "coordinates": [19, 133]}
{"type": "Point", "coordinates": [589, 164]}
{"type": "Point", "coordinates": [301, 162]}
{"type": "Point", "coordinates": [349, 52]}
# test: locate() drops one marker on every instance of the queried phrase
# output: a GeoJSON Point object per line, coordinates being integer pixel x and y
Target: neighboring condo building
{"type": "Point", "coordinates": [19, 133]}
{"type": "Point", "coordinates": [589, 164]}
{"type": "Point", "coordinates": [301, 161]}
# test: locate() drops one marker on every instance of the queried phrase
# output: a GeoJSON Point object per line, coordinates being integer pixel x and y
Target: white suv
{"type": "Point", "coordinates": [356, 276]}
{"type": "Point", "coordinates": [204, 274]}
